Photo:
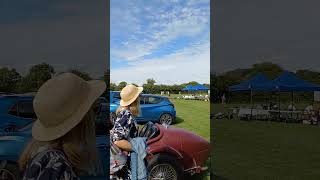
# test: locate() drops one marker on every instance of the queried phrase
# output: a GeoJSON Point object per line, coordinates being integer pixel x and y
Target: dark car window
{"type": "Point", "coordinates": [23, 109]}
{"type": "Point", "coordinates": [101, 123]}
{"type": "Point", "coordinates": [152, 100]}
{"type": "Point", "coordinates": [141, 99]}
{"type": "Point", "coordinates": [116, 95]}
{"type": "Point", "coordinates": [101, 100]}
{"type": "Point", "coordinates": [14, 110]}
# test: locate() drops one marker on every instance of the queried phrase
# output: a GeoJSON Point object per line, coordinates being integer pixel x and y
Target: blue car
{"type": "Point", "coordinates": [16, 111]}
{"type": "Point", "coordinates": [153, 108]}
{"type": "Point", "coordinates": [12, 144]}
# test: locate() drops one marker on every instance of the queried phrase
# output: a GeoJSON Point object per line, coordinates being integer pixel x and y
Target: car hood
{"type": "Point", "coordinates": [12, 146]}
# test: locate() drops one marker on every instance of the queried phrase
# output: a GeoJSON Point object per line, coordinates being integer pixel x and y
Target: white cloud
{"type": "Point", "coordinates": [189, 64]}
{"type": "Point", "coordinates": [164, 26]}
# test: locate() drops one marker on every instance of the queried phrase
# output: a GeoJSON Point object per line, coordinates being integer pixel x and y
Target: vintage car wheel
{"type": "Point", "coordinates": [164, 167]}
{"type": "Point", "coordinates": [166, 119]}
{"type": "Point", "coordinates": [9, 172]}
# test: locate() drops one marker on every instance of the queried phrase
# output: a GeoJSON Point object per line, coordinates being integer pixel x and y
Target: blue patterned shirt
{"type": "Point", "coordinates": [125, 126]}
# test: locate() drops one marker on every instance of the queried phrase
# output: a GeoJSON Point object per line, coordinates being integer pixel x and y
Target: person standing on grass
{"type": "Point", "coordinates": [63, 144]}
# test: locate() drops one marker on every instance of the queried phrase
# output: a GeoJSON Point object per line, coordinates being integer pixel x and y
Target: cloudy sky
{"type": "Point", "coordinates": [64, 33]}
{"type": "Point", "coordinates": [286, 32]}
{"type": "Point", "coordinates": [167, 40]}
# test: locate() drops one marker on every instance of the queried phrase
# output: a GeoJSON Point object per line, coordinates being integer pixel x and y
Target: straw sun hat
{"type": "Point", "coordinates": [129, 94]}
{"type": "Point", "coordinates": [61, 103]}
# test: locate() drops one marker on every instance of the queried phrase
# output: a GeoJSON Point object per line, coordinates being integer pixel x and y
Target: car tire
{"type": "Point", "coordinates": [163, 166]}
{"type": "Point", "coordinates": [166, 119]}
{"type": "Point", "coordinates": [10, 172]}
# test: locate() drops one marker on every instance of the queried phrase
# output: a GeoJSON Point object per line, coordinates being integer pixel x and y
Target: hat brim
{"type": "Point", "coordinates": [42, 133]}
{"type": "Point", "coordinates": [127, 103]}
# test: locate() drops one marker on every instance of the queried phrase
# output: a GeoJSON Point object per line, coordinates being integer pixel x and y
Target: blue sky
{"type": "Point", "coordinates": [167, 40]}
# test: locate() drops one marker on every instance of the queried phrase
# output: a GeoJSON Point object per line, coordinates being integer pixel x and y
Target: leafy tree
{"type": "Point", "coordinates": [9, 79]}
{"type": "Point", "coordinates": [113, 87]}
{"type": "Point", "coordinates": [151, 81]}
{"type": "Point", "coordinates": [81, 74]}
{"type": "Point", "coordinates": [121, 85]}
{"type": "Point", "coordinates": [309, 75]}
{"type": "Point", "coordinates": [37, 75]}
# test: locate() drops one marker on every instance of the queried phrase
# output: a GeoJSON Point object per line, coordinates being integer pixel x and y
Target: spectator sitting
{"type": "Point", "coordinates": [308, 109]}
{"type": "Point", "coordinates": [314, 118]}
{"type": "Point", "coordinates": [291, 107]}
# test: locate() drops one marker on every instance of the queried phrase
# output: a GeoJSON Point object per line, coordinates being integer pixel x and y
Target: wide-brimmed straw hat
{"type": "Point", "coordinates": [61, 103]}
{"type": "Point", "coordinates": [129, 94]}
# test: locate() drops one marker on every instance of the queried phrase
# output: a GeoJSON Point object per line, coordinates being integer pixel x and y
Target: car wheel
{"type": "Point", "coordinates": [164, 167]}
{"type": "Point", "coordinates": [10, 172]}
{"type": "Point", "coordinates": [112, 117]}
{"type": "Point", "coordinates": [166, 119]}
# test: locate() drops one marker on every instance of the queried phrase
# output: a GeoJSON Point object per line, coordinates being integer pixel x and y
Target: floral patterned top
{"type": "Point", "coordinates": [49, 165]}
{"type": "Point", "coordinates": [125, 126]}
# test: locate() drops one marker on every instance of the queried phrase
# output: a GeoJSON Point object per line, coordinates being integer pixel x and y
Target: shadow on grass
{"type": "Point", "coordinates": [178, 120]}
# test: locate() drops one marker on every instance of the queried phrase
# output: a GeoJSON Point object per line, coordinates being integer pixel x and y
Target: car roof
{"type": "Point", "coordinates": [150, 95]}
{"type": "Point", "coordinates": [153, 95]}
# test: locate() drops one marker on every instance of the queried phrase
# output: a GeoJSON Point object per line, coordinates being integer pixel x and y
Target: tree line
{"type": "Point", "coordinates": [221, 82]}
{"type": "Point", "coordinates": [150, 86]}
{"type": "Point", "coordinates": [12, 81]}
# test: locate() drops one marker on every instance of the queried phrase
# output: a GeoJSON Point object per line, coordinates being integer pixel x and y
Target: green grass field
{"type": "Point", "coordinates": [264, 150]}
{"type": "Point", "coordinates": [194, 116]}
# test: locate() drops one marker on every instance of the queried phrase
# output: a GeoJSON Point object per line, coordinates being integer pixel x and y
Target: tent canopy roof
{"type": "Point", "coordinates": [247, 85]}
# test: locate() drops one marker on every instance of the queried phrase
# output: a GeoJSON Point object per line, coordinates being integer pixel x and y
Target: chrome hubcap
{"type": "Point", "coordinates": [163, 172]}
{"type": "Point", "coordinates": [6, 175]}
{"type": "Point", "coordinates": [166, 119]}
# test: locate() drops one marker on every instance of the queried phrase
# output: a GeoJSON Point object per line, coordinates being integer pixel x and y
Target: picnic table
{"type": "Point", "coordinates": [256, 113]}
{"type": "Point", "coordinates": [266, 114]}
{"type": "Point", "coordinates": [286, 115]}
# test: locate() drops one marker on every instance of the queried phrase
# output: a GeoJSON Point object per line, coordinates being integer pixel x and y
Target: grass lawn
{"type": "Point", "coordinates": [194, 116]}
{"type": "Point", "coordinates": [264, 150]}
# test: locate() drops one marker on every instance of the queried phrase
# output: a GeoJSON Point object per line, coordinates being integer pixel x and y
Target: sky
{"type": "Point", "coordinates": [285, 32]}
{"type": "Point", "coordinates": [64, 33]}
{"type": "Point", "coordinates": [167, 40]}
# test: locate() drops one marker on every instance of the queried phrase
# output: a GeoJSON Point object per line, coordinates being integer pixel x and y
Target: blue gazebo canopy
{"type": "Point", "coordinates": [287, 82]}
{"type": "Point", "coordinates": [198, 87]}
{"type": "Point", "coordinates": [188, 88]}
{"type": "Point", "coordinates": [258, 80]}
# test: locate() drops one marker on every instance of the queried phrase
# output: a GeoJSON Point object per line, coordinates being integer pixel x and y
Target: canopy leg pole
{"type": "Point", "coordinates": [251, 103]}
{"type": "Point", "coordinates": [292, 101]}
{"type": "Point", "coordinates": [279, 105]}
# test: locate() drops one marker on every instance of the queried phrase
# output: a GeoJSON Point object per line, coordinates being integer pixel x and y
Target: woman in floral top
{"type": "Point", "coordinates": [125, 127]}
{"type": "Point", "coordinates": [63, 144]}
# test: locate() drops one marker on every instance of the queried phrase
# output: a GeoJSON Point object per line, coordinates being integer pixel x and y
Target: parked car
{"type": "Point", "coordinates": [168, 158]}
{"type": "Point", "coordinates": [16, 110]}
{"type": "Point", "coordinates": [13, 142]}
{"type": "Point", "coordinates": [153, 108]}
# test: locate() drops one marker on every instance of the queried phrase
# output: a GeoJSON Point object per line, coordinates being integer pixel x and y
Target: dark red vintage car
{"type": "Point", "coordinates": [174, 151]}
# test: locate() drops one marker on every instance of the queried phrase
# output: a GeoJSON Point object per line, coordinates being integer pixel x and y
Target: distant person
{"type": "Point", "coordinates": [223, 99]}
{"type": "Point", "coordinates": [63, 144]}
{"type": "Point", "coordinates": [291, 107]}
